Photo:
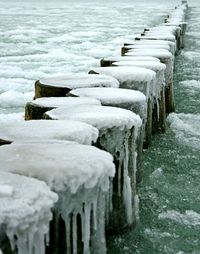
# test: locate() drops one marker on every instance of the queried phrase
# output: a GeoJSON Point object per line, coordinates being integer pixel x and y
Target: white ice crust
{"type": "Point", "coordinates": [160, 53]}
{"type": "Point", "coordinates": [81, 80]}
{"type": "Point", "coordinates": [26, 211]}
{"type": "Point", "coordinates": [134, 58]}
{"type": "Point", "coordinates": [149, 46]}
{"type": "Point", "coordinates": [62, 165]}
{"type": "Point", "coordinates": [101, 117]}
{"type": "Point", "coordinates": [123, 74]}
{"type": "Point", "coordinates": [55, 102]}
{"type": "Point", "coordinates": [114, 96]}
{"type": "Point", "coordinates": [152, 65]}
{"type": "Point", "coordinates": [42, 129]}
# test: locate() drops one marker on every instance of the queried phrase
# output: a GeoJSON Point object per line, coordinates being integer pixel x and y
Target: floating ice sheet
{"type": "Point", "coordinates": [26, 211]}
{"type": "Point", "coordinates": [42, 129]}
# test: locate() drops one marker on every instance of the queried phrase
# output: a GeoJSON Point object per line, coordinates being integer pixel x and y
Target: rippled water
{"type": "Point", "coordinates": [45, 38]}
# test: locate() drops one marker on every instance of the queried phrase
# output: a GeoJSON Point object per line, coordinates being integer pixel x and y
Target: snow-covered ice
{"type": "Point", "coordinates": [80, 80]}
{"type": "Point", "coordinates": [42, 129]}
{"type": "Point", "coordinates": [56, 102]}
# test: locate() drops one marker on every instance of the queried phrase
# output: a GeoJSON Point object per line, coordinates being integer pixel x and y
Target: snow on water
{"type": "Point", "coordinates": [189, 218]}
{"type": "Point", "coordinates": [186, 128]}
{"type": "Point", "coordinates": [40, 39]}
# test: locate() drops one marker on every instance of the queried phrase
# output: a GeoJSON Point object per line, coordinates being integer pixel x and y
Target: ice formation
{"type": "Point", "coordinates": [117, 97]}
{"type": "Point", "coordinates": [25, 211]}
{"type": "Point", "coordinates": [72, 171]}
{"type": "Point", "coordinates": [54, 102]}
{"type": "Point", "coordinates": [159, 68]}
{"type": "Point", "coordinates": [134, 58]}
{"type": "Point", "coordinates": [42, 129]}
{"type": "Point", "coordinates": [81, 80]}
{"type": "Point", "coordinates": [118, 133]}
{"type": "Point", "coordinates": [137, 78]}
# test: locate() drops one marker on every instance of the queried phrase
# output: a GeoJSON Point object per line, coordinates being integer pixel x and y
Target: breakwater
{"type": "Point", "coordinates": [110, 123]}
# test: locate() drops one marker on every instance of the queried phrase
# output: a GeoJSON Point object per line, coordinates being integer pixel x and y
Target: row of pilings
{"type": "Point", "coordinates": [69, 173]}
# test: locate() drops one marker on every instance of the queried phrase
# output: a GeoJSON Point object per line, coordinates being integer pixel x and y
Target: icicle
{"type": "Point", "coordinates": [30, 242]}
{"type": "Point", "coordinates": [94, 207]}
{"type": "Point", "coordinates": [74, 233]}
{"type": "Point", "coordinates": [68, 233]}
{"type": "Point", "coordinates": [119, 174]}
{"type": "Point", "coordinates": [86, 228]}
{"type": "Point", "coordinates": [136, 205]}
{"type": "Point", "coordinates": [39, 243]}
{"type": "Point", "coordinates": [127, 190]}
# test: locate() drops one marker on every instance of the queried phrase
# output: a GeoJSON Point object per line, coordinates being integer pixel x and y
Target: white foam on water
{"type": "Point", "coordinates": [189, 218]}
{"type": "Point", "coordinates": [186, 128]}
{"type": "Point", "coordinates": [192, 86]}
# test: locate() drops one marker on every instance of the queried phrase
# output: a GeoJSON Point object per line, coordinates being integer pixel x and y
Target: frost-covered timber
{"type": "Point", "coordinates": [105, 62]}
{"type": "Point", "coordinates": [132, 100]}
{"type": "Point", "coordinates": [159, 111]}
{"type": "Point", "coordinates": [136, 78]}
{"type": "Point", "coordinates": [25, 213]}
{"type": "Point", "coordinates": [43, 130]}
{"type": "Point", "coordinates": [149, 44]}
{"type": "Point", "coordinates": [82, 184]}
{"type": "Point", "coordinates": [118, 130]}
{"type": "Point", "coordinates": [59, 86]}
{"type": "Point", "coordinates": [36, 108]}
{"type": "Point", "coordinates": [168, 59]}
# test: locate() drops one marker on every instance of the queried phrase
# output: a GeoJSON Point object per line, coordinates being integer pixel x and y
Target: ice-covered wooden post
{"type": "Point", "coordinates": [159, 112]}
{"type": "Point", "coordinates": [132, 100]}
{"type": "Point", "coordinates": [49, 130]}
{"type": "Point", "coordinates": [59, 86]}
{"type": "Point", "coordinates": [149, 44]}
{"type": "Point", "coordinates": [80, 175]}
{"type": "Point", "coordinates": [168, 59]}
{"type": "Point", "coordinates": [36, 108]}
{"type": "Point", "coordinates": [25, 213]}
{"type": "Point", "coordinates": [135, 78]}
{"type": "Point", "coordinates": [118, 130]}
{"type": "Point", "coordinates": [106, 62]}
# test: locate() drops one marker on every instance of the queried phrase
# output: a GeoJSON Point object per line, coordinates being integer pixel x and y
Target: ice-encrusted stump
{"type": "Point", "coordinates": [41, 130]}
{"type": "Point", "coordinates": [177, 18]}
{"type": "Point", "coordinates": [105, 62]}
{"type": "Point", "coordinates": [36, 108]}
{"type": "Point", "coordinates": [159, 112]}
{"type": "Point", "coordinates": [165, 30]}
{"type": "Point", "coordinates": [125, 49]}
{"type": "Point", "coordinates": [135, 78]}
{"type": "Point", "coordinates": [58, 86]}
{"type": "Point", "coordinates": [132, 100]}
{"type": "Point", "coordinates": [81, 176]}
{"type": "Point", "coordinates": [167, 58]}
{"type": "Point", "coordinates": [118, 130]}
{"type": "Point", "coordinates": [25, 213]}
{"type": "Point", "coordinates": [149, 44]}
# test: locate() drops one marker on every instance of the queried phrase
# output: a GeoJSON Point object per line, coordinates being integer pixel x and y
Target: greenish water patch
{"type": "Point", "coordinates": [170, 191]}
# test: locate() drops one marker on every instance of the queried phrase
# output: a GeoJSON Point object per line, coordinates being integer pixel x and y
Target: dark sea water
{"type": "Point", "coordinates": [170, 191]}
